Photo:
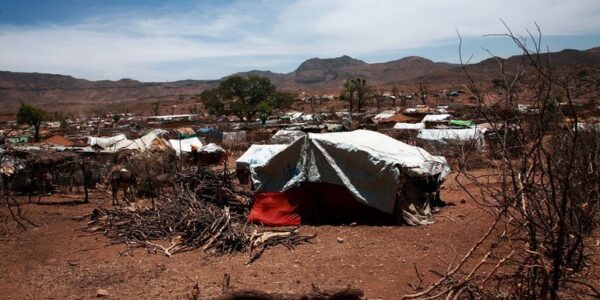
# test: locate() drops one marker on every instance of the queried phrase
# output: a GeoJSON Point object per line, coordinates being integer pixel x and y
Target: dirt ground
{"type": "Point", "coordinates": [58, 261]}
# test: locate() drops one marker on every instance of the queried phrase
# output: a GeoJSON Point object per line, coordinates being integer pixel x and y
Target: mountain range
{"type": "Point", "coordinates": [314, 75]}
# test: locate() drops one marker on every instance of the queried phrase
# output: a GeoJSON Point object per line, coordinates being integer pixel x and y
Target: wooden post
{"type": "Point", "coordinates": [85, 180]}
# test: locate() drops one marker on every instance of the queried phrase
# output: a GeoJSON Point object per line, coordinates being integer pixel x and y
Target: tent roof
{"type": "Point", "coordinates": [371, 165]}
{"type": "Point", "coordinates": [433, 118]}
{"type": "Point", "coordinates": [258, 155]}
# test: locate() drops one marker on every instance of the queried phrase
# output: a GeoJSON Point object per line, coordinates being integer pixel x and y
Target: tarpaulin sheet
{"type": "Point", "coordinates": [409, 126]}
{"type": "Point", "coordinates": [286, 136]}
{"type": "Point", "coordinates": [105, 142]}
{"type": "Point", "coordinates": [464, 123]}
{"type": "Point", "coordinates": [369, 164]}
{"type": "Point", "coordinates": [185, 145]}
{"type": "Point", "coordinates": [453, 136]}
{"type": "Point", "coordinates": [435, 118]}
{"type": "Point", "coordinates": [257, 155]}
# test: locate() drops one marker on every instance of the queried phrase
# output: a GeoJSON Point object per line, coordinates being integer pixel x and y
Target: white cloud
{"type": "Point", "coordinates": [204, 43]}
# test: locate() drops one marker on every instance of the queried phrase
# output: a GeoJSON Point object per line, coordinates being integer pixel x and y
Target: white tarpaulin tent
{"type": "Point", "coordinates": [286, 136]}
{"type": "Point", "coordinates": [372, 166]}
{"type": "Point", "coordinates": [435, 118]}
{"type": "Point", "coordinates": [105, 142]}
{"type": "Point", "coordinates": [409, 126]}
{"type": "Point", "coordinates": [257, 155]}
{"type": "Point", "coordinates": [453, 136]}
{"type": "Point", "coordinates": [384, 115]}
{"type": "Point", "coordinates": [185, 145]}
{"type": "Point", "coordinates": [211, 148]}
{"type": "Point", "coordinates": [141, 144]}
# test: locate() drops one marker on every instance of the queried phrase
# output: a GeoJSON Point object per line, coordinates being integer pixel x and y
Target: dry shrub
{"type": "Point", "coordinates": [544, 198]}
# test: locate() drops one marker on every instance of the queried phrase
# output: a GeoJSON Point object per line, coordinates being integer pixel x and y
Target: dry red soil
{"type": "Point", "coordinates": [58, 261]}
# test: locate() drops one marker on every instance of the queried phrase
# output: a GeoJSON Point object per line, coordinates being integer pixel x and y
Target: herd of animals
{"type": "Point", "coordinates": [130, 177]}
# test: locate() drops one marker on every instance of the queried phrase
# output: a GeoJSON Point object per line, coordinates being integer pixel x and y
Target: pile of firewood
{"type": "Point", "coordinates": [204, 211]}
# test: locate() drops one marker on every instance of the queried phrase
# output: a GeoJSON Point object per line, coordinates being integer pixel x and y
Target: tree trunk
{"type": "Point", "coordinates": [36, 136]}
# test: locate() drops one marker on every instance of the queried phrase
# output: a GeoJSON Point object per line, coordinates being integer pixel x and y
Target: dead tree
{"type": "Point", "coordinates": [545, 199]}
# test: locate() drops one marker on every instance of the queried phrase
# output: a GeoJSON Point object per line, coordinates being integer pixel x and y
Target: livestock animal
{"type": "Point", "coordinates": [121, 178]}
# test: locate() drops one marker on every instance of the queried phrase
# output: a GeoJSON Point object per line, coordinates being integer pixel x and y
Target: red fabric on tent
{"type": "Point", "coordinates": [313, 203]}
{"type": "Point", "coordinates": [276, 208]}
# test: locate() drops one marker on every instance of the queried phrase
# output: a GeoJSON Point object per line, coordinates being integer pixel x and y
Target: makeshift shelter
{"type": "Point", "coordinates": [436, 118]}
{"type": "Point", "coordinates": [461, 123]}
{"type": "Point", "coordinates": [384, 115]}
{"type": "Point", "coordinates": [212, 154]}
{"type": "Point", "coordinates": [149, 141]}
{"type": "Point", "coordinates": [105, 142]}
{"type": "Point", "coordinates": [409, 126]}
{"type": "Point", "coordinates": [338, 177]}
{"type": "Point", "coordinates": [286, 136]}
{"type": "Point", "coordinates": [184, 132]}
{"type": "Point", "coordinates": [457, 137]}
{"type": "Point", "coordinates": [185, 145]}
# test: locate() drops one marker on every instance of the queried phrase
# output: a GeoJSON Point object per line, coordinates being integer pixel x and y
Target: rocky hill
{"type": "Point", "coordinates": [316, 74]}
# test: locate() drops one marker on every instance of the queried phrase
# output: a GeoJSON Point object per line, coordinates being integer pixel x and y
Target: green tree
{"type": "Point", "coordinates": [116, 118]}
{"type": "Point", "coordinates": [245, 97]}
{"type": "Point", "coordinates": [33, 116]}
{"type": "Point", "coordinates": [362, 91]}
{"type": "Point", "coordinates": [349, 89]}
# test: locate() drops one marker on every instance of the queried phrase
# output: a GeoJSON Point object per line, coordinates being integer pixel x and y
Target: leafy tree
{"type": "Point", "coordinates": [245, 97]}
{"type": "Point", "coordinates": [349, 89]}
{"type": "Point", "coordinates": [264, 111]}
{"type": "Point", "coordinates": [362, 91]}
{"type": "Point", "coordinates": [116, 118]}
{"type": "Point", "coordinates": [33, 116]}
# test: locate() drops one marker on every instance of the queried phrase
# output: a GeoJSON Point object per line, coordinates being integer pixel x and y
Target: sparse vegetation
{"type": "Point", "coordinates": [32, 116]}
{"type": "Point", "coordinates": [245, 97]}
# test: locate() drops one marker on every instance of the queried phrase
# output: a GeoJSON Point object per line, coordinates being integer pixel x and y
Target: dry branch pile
{"type": "Point", "coordinates": [204, 211]}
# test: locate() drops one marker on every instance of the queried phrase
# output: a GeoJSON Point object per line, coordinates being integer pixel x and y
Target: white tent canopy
{"type": "Point", "coordinates": [185, 145]}
{"type": "Point", "coordinates": [257, 155]}
{"type": "Point", "coordinates": [141, 144]}
{"type": "Point", "coordinates": [435, 118]}
{"type": "Point", "coordinates": [105, 142]}
{"type": "Point", "coordinates": [453, 136]}
{"type": "Point", "coordinates": [286, 136]}
{"type": "Point", "coordinates": [409, 126]}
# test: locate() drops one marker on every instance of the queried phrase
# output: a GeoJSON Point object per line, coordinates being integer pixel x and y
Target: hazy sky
{"type": "Point", "coordinates": [172, 40]}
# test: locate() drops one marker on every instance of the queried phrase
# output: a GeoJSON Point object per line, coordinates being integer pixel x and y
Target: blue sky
{"type": "Point", "coordinates": [154, 40]}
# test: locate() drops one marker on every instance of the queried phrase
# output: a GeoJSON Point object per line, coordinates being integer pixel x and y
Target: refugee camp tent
{"type": "Point", "coordinates": [461, 123]}
{"type": "Point", "coordinates": [326, 174]}
{"type": "Point", "coordinates": [105, 142]}
{"type": "Point", "coordinates": [384, 115]}
{"type": "Point", "coordinates": [286, 136]}
{"type": "Point", "coordinates": [185, 132]}
{"type": "Point", "coordinates": [461, 137]}
{"type": "Point", "coordinates": [436, 118]}
{"type": "Point", "coordinates": [142, 144]}
{"type": "Point", "coordinates": [212, 154]}
{"type": "Point", "coordinates": [185, 145]}
{"type": "Point", "coordinates": [409, 126]}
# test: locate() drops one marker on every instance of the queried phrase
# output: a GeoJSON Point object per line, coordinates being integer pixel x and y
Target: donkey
{"type": "Point", "coordinates": [119, 177]}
